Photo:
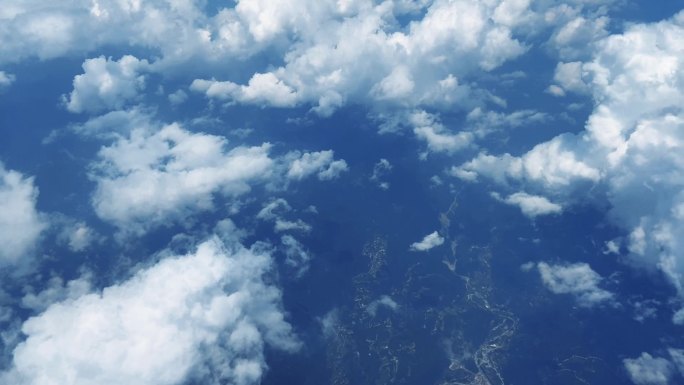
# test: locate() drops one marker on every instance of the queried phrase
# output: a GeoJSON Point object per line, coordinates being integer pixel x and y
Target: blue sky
{"type": "Point", "coordinates": [168, 168]}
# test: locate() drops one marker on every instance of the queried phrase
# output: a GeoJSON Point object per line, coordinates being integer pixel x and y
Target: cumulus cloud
{"type": "Point", "coordinates": [574, 31]}
{"type": "Point", "coordinates": [631, 152]}
{"type": "Point", "coordinates": [649, 370]}
{"type": "Point", "coordinates": [555, 165]}
{"type": "Point", "coordinates": [428, 242]}
{"type": "Point", "coordinates": [576, 279]}
{"type": "Point", "coordinates": [106, 84]}
{"type": "Point", "coordinates": [321, 163]}
{"type": "Point", "coordinates": [322, 54]}
{"type": "Point", "coordinates": [262, 89]}
{"type": "Point", "coordinates": [205, 316]}
{"type": "Point", "coordinates": [531, 205]}
{"type": "Point", "coordinates": [427, 128]}
{"type": "Point", "coordinates": [152, 178]}
{"type": "Point", "coordinates": [47, 30]}
{"type": "Point", "coordinates": [570, 77]}
{"type": "Point", "coordinates": [20, 222]}
{"type": "Point", "coordinates": [385, 64]}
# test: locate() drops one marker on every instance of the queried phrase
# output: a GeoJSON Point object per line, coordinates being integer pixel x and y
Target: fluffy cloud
{"type": "Point", "coordinates": [531, 205]}
{"type": "Point", "coordinates": [106, 84]}
{"type": "Point", "coordinates": [556, 165]}
{"type": "Point", "coordinates": [427, 128]}
{"type": "Point", "coordinates": [20, 223]}
{"type": "Point", "coordinates": [262, 89]}
{"type": "Point", "coordinates": [428, 242]}
{"type": "Point", "coordinates": [320, 163]}
{"type": "Point", "coordinates": [385, 64]}
{"type": "Point", "coordinates": [205, 316]}
{"type": "Point", "coordinates": [649, 370]}
{"type": "Point", "coordinates": [631, 152]}
{"type": "Point", "coordinates": [152, 178]}
{"type": "Point", "coordinates": [574, 31]}
{"type": "Point", "coordinates": [577, 279]}
{"type": "Point", "coordinates": [570, 77]}
{"type": "Point", "coordinates": [48, 30]}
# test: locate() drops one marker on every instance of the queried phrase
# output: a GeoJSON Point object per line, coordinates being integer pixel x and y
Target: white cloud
{"type": "Point", "coordinates": [261, 89]}
{"type": "Point", "coordinates": [532, 205]}
{"type": "Point", "coordinates": [20, 223]}
{"type": "Point", "coordinates": [152, 179]}
{"type": "Point", "coordinates": [6, 79]}
{"type": "Point", "coordinates": [576, 279]}
{"type": "Point", "coordinates": [677, 358]}
{"type": "Point", "coordinates": [383, 301]}
{"type": "Point", "coordinates": [205, 316]}
{"type": "Point", "coordinates": [106, 84]}
{"type": "Point", "coordinates": [428, 242]}
{"type": "Point", "coordinates": [572, 38]}
{"type": "Point", "coordinates": [321, 163]}
{"type": "Point", "coordinates": [178, 97]}
{"type": "Point", "coordinates": [57, 291]}
{"type": "Point", "coordinates": [361, 54]}
{"type": "Point", "coordinates": [380, 169]}
{"type": "Point", "coordinates": [632, 150]}
{"type": "Point", "coordinates": [426, 127]}
{"type": "Point", "coordinates": [555, 165]}
{"type": "Point", "coordinates": [80, 237]}
{"type": "Point", "coordinates": [649, 370]}
{"type": "Point", "coordinates": [275, 210]}
{"type": "Point", "coordinates": [116, 124]}
{"type": "Point", "coordinates": [297, 257]}
{"type": "Point", "coordinates": [47, 30]}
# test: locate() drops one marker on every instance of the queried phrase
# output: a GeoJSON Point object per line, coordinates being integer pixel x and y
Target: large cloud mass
{"type": "Point", "coordinates": [204, 316]}
{"type": "Point", "coordinates": [632, 151]}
